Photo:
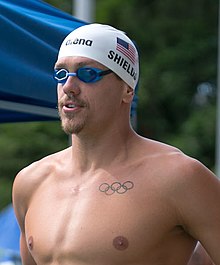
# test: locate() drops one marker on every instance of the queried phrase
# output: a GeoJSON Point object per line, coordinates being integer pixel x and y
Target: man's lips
{"type": "Point", "coordinates": [71, 106]}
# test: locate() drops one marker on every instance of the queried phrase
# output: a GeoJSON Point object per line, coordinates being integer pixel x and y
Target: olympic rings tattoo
{"type": "Point", "coordinates": [117, 187]}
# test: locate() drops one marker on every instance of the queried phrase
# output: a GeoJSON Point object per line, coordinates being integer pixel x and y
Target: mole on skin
{"type": "Point", "coordinates": [120, 243]}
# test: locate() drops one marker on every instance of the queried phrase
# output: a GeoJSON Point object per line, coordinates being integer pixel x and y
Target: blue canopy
{"type": "Point", "coordinates": [9, 234]}
{"type": "Point", "coordinates": [31, 33]}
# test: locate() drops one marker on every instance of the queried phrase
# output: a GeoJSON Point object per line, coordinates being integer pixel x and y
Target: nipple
{"type": "Point", "coordinates": [30, 243]}
{"type": "Point", "coordinates": [120, 243]}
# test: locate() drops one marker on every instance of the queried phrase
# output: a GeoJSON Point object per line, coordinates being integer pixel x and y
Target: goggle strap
{"type": "Point", "coordinates": [105, 72]}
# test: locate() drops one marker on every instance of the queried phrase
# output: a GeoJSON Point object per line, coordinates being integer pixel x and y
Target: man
{"type": "Point", "coordinates": [113, 197]}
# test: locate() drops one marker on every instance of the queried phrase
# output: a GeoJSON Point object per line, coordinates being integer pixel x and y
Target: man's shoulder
{"type": "Point", "coordinates": [34, 174]}
{"type": "Point", "coordinates": [181, 175]}
{"type": "Point", "coordinates": [161, 153]}
{"type": "Point", "coordinates": [28, 180]}
{"type": "Point", "coordinates": [43, 166]}
{"type": "Point", "coordinates": [170, 162]}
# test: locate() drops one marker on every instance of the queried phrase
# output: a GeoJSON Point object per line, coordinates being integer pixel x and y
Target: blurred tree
{"type": "Point", "coordinates": [64, 5]}
{"type": "Point", "coordinates": [5, 191]}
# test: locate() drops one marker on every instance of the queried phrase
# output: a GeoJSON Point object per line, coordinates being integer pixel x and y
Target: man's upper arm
{"type": "Point", "coordinates": [20, 197]}
{"type": "Point", "coordinates": [198, 202]}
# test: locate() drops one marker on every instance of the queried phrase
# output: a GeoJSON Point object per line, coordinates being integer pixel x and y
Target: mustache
{"type": "Point", "coordinates": [64, 101]}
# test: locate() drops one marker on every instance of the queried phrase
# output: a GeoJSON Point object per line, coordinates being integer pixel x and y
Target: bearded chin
{"type": "Point", "coordinates": [70, 125]}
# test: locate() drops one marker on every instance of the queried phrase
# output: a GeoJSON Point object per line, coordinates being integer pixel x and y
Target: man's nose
{"type": "Point", "coordinates": [71, 86]}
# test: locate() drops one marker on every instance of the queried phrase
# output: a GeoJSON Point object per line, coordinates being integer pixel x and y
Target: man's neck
{"type": "Point", "coordinates": [93, 152]}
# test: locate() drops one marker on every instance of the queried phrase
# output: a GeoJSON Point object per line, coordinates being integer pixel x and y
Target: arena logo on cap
{"type": "Point", "coordinates": [79, 42]}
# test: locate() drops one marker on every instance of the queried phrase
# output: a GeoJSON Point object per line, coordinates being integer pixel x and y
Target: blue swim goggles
{"type": "Point", "coordinates": [85, 74]}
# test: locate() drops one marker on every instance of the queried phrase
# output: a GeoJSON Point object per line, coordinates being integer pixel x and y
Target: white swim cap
{"type": "Point", "coordinates": [106, 45]}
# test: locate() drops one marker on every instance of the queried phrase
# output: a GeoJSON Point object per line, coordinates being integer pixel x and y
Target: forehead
{"type": "Point", "coordinates": [76, 62]}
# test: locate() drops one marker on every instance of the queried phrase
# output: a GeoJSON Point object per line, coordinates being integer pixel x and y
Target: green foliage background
{"type": "Point", "coordinates": [177, 41]}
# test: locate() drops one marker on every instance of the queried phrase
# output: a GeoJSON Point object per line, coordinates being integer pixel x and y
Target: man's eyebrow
{"type": "Point", "coordinates": [59, 65]}
{"type": "Point", "coordinates": [76, 65]}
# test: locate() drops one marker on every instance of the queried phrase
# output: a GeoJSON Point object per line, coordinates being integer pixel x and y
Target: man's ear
{"type": "Point", "coordinates": [128, 94]}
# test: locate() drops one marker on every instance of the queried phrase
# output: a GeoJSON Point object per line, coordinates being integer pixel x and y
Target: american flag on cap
{"type": "Point", "coordinates": [127, 49]}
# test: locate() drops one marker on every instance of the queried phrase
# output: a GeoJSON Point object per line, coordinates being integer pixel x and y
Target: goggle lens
{"type": "Point", "coordinates": [60, 75]}
{"type": "Point", "coordinates": [85, 74]}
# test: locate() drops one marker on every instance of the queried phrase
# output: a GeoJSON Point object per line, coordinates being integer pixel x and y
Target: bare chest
{"type": "Point", "coordinates": [107, 220]}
